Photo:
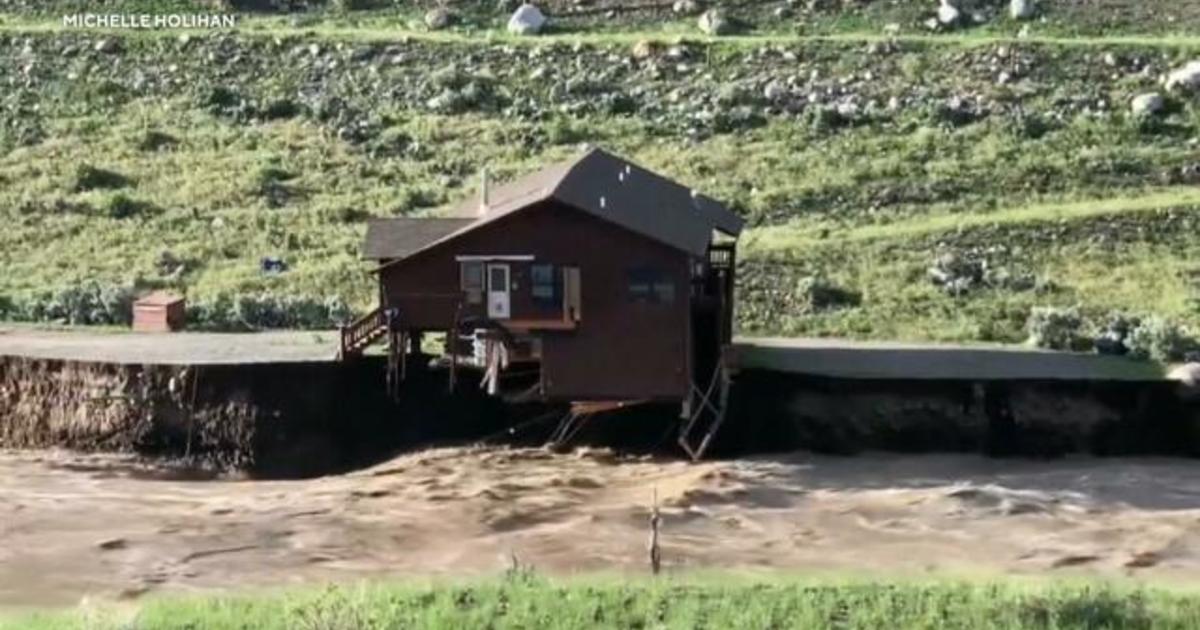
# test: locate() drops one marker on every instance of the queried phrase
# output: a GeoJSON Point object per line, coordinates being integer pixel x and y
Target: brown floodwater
{"type": "Point", "coordinates": [106, 526]}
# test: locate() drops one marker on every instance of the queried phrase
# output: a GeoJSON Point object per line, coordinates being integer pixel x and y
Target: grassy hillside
{"type": "Point", "coordinates": [667, 604]}
{"type": "Point", "coordinates": [159, 159]}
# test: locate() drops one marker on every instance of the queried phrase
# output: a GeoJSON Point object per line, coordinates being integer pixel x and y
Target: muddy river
{"type": "Point", "coordinates": [75, 526]}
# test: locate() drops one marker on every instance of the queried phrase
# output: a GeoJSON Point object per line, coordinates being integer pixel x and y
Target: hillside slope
{"type": "Point", "coordinates": [1012, 165]}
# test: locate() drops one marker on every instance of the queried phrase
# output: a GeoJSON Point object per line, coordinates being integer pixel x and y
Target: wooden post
{"type": "Point", "coordinates": [652, 547]}
{"type": "Point", "coordinates": [454, 347]}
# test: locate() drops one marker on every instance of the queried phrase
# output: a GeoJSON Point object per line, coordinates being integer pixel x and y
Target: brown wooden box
{"type": "Point", "coordinates": [159, 312]}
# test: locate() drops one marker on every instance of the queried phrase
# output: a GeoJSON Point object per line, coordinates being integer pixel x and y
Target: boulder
{"type": "Point", "coordinates": [1188, 377]}
{"type": "Point", "coordinates": [1022, 9]}
{"type": "Point", "coordinates": [644, 49]}
{"type": "Point", "coordinates": [774, 91]}
{"type": "Point", "coordinates": [108, 46]}
{"type": "Point", "coordinates": [527, 20]}
{"type": "Point", "coordinates": [1185, 79]}
{"type": "Point", "coordinates": [1147, 105]}
{"type": "Point", "coordinates": [948, 15]}
{"type": "Point", "coordinates": [685, 7]}
{"type": "Point", "coordinates": [715, 22]}
{"type": "Point", "coordinates": [438, 19]}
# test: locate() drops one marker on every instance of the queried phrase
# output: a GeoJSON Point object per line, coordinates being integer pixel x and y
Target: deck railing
{"type": "Point", "coordinates": [358, 334]}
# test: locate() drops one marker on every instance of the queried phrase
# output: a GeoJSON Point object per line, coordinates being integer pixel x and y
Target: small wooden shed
{"type": "Point", "coordinates": [159, 311]}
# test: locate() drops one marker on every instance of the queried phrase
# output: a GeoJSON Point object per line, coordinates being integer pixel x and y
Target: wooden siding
{"type": "Point", "coordinates": [620, 349]}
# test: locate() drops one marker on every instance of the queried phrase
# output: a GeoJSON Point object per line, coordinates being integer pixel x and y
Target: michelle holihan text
{"type": "Point", "coordinates": [150, 21]}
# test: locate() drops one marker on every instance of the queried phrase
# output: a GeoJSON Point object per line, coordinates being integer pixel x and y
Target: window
{"type": "Point", "coordinates": [651, 285]}
{"type": "Point", "coordinates": [542, 285]}
{"type": "Point", "coordinates": [472, 281]}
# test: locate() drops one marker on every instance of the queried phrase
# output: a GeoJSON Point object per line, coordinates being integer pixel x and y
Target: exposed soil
{"type": "Point", "coordinates": [111, 526]}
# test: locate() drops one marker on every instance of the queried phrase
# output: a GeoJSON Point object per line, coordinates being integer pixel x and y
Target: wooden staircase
{"type": "Point", "coordinates": [361, 333]}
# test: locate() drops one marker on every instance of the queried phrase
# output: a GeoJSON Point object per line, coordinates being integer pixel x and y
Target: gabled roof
{"type": "Point", "coordinates": [398, 238]}
{"type": "Point", "coordinates": [600, 184]}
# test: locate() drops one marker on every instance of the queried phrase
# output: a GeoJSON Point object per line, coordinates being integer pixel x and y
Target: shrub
{"type": "Point", "coordinates": [1161, 340]}
{"type": "Point", "coordinates": [815, 294]}
{"type": "Point", "coordinates": [88, 303]}
{"type": "Point", "coordinates": [156, 141]}
{"type": "Point", "coordinates": [267, 310]}
{"type": "Point", "coordinates": [121, 206]}
{"type": "Point", "coordinates": [1056, 328]}
{"type": "Point", "coordinates": [88, 177]}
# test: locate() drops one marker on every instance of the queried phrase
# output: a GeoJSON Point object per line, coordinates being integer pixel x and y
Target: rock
{"type": "Point", "coordinates": [1188, 377]}
{"type": "Point", "coordinates": [685, 7]}
{"type": "Point", "coordinates": [948, 15]}
{"type": "Point", "coordinates": [527, 20]}
{"type": "Point", "coordinates": [1185, 79]}
{"type": "Point", "coordinates": [438, 19]}
{"type": "Point", "coordinates": [1146, 105]}
{"type": "Point", "coordinates": [774, 91]}
{"type": "Point", "coordinates": [1188, 374]}
{"type": "Point", "coordinates": [644, 49]}
{"type": "Point", "coordinates": [108, 46]}
{"type": "Point", "coordinates": [1022, 9]}
{"type": "Point", "coordinates": [715, 22]}
{"type": "Point", "coordinates": [781, 13]}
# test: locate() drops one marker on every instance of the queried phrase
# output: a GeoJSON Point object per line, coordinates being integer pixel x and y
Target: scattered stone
{"type": "Point", "coordinates": [1188, 377]}
{"type": "Point", "coordinates": [948, 15]}
{"type": "Point", "coordinates": [438, 19]}
{"type": "Point", "coordinates": [1147, 105]}
{"type": "Point", "coordinates": [774, 91]}
{"type": "Point", "coordinates": [108, 46]}
{"type": "Point", "coordinates": [685, 7]}
{"type": "Point", "coordinates": [644, 49]}
{"type": "Point", "coordinates": [715, 22]}
{"type": "Point", "coordinates": [527, 20]}
{"type": "Point", "coordinates": [1022, 9]}
{"type": "Point", "coordinates": [1185, 79]}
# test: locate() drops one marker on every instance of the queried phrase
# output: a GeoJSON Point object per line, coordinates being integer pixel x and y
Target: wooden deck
{"type": "Point", "coordinates": [839, 358]}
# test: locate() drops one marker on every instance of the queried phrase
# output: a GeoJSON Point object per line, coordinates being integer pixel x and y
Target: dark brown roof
{"type": "Point", "coordinates": [609, 187]}
{"type": "Point", "coordinates": [397, 238]}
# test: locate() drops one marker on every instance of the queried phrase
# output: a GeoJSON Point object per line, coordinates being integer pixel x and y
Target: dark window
{"type": "Point", "coordinates": [472, 281]}
{"type": "Point", "coordinates": [651, 285]}
{"type": "Point", "coordinates": [542, 285]}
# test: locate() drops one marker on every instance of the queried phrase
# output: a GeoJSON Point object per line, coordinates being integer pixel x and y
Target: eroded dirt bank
{"type": "Point", "coordinates": [278, 419]}
{"type": "Point", "coordinates": [108, 526]}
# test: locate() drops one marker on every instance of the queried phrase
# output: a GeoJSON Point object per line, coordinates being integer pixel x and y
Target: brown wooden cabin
{"type": "Point", "coordinates": [615, 281]}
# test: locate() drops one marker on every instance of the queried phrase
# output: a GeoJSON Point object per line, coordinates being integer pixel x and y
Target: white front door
{"type": "Point", "coordinates": [499, 303]}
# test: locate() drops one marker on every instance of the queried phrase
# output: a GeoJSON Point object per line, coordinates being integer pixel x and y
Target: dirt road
{"type": "Point", "coordinates": [107, 526]}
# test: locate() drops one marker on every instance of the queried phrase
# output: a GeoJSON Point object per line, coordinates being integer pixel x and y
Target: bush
{"type": "Point", "coordinates": [1056, 328]}
{"type": "Point", "coordinates": [88, 177]}
{"type": "Point", "coordinates": [157, 141]}
{"type": "Point", "coordinates": [89, 303]}
{"type": "Point", "coordinates": [122, 206]}
{"type": "Point", "coordinates": [1161, 340]}
{"type": "Point", "coordinates": [815, 294]}
{"type": "Point", "coordinates": [227, 312]}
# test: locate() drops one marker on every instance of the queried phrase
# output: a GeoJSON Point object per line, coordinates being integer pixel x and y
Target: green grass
{"type": "Point", "coordinates": [667, 603]}
{"type": "Point", "coordinates": [867, 204]}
